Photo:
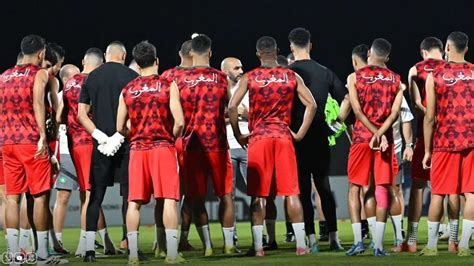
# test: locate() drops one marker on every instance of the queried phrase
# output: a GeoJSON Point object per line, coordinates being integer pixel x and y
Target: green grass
{"type": "Point", "coordinates": [284, 256]}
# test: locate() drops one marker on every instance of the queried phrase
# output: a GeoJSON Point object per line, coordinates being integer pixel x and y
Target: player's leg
{"type": "Point", "coordinates": [453, 209]}
{"type": "Point", "coordinates": [323, 229]}
{"type": "Point", "coordinates": [358, 168]}
{"type": "Point", "coordinates": [25, 235]}
{"type": "Point", "coordinates": [270, 217]}
{"type": "Point", "coordinates": [3, 202]}
{"type": "Point", "coordinates": [186, 214]}
{"type": "Point", "coordinates": [133, 222]}
{"type": "Point", "coordinates": [60, 211]}
{"type": "Point", "coordinates": [396, 206]}
{"type": "Point", "coordinates": [97, 194]}
{"type": "Point", "coordinates": [160, 251]}
{"type": "Point", "coordinates": [363, 217]}
{"type": "Point", "coordinates": [12, 222]}
{"type": "Point", "coordinates": [170, 222]}
{"type": "Point", "coordinates": [445, 170]}
{"type": "Point", "coordinates": [467, 187]}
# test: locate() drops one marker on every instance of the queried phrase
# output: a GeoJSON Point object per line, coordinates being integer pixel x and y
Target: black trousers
{"type": "Point", "coordinates": [314, 158]}
{"type": "Point", "coordinates": [104, 170]}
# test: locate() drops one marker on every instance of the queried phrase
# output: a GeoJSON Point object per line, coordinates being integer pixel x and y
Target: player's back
{"type": "Point", "coordinates": [148, 103]}
{"type": "Point", "coordinates": [377, 88]}
{"type": "Point", "coordinates": [204, 96]}
{"type": "Point", "coordinates": [423, 69]}
{"type": "Point", "coordinates": [16, 93]}
{"type": "Point", "coordinates": [271, 94]}
{"type": "Point", "coordinates": [454, 86]}
{"type": "Point", "coordinates": [173, 73]}
{"type": "Point", "coordinates": [72, 89]}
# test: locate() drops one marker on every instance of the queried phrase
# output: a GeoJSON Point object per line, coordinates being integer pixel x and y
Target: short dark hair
{"type": "Point", "coordinates": [32, 44]}
{"type": "Point", "coordinates": [266, 44]}
{"type": "Point", "coordinates": [144, 54]}
{"type": "Point", "coordinates": [96, 52]}
{"type": "Point", "coordinates": [381, 47]}
{"type": "Point", "coordinates": [430, 43]}
{"type": "Point", "coordinates": [186, 48]}
{"type": "Point", "coordinates": [459, 39]}
{"type": "Point", "coordinates": [201, 44]}
{"type": "Point", "coordinates": [19, 57]}
{"type": "Point", "coordinates": [51, 55]}
{"type": "Point", "coordinates": [361, 52]}
{"type": "Point", "coordinates": [58, 49]}
{"type": "Point", "coordinates": [299, 37]}
{"type": "Point", "coordinates": [282, 61]}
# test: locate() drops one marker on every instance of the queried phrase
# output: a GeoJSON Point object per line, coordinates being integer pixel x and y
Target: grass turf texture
{"type": "Point", "coordinates": [285, 255]}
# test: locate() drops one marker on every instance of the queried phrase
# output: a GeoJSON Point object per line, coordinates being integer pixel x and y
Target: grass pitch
{"type": "Point", "coordinates": [285, 255]}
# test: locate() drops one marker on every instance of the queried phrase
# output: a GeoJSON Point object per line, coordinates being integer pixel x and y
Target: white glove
{"type": "Point", "coordinates": [113, 144]}
{"type": "Point", "coordinates": [100, 136]}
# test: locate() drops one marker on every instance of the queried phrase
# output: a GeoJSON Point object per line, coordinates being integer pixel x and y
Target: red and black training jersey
{"type": "Point", "coordinates": [454, 86]}
{"type": "Point", "coordinates": [204, 97]}
{"type": "Point", "coordinates": [377, 88]}
{"type": "Point", "coordinates": [172, 73]}
{"type": "Point", "coordinates": [271, 94]}
{"type": "Point", "coordinates": [148, 104]}
{"type": "Point", "coordinates": [16, 91]}
{"type": "Point", "coordinates": [77, 134]}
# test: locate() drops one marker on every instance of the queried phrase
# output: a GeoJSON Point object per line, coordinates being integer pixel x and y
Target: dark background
{"type": "Point", "coordinates": [234, 26]}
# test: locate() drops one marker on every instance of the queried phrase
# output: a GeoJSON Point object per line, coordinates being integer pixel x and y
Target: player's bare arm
{"type": "Point", "coordinates": [354, 100]}
{"type": "Point", "coordinates": [408, 138]}
{"type": "Point", "coordinates": [122, 117]}
{"type": "Point", "coordinates": [41, 79]}
{"type": "Point", "coordinates": [345, 109]}
{"type": "Point", "coordinates": [414, 90]}
{"type": "Point", "coordinates": [86, 122]}
{"type": "Point", "coordinates": [428, 122]}
{"type": "Point", "coordinates": [176, 110]}
{"type": "Point", "coordinates": [234, 113]}
{"type": "Point", "coordinates": [307, 99]}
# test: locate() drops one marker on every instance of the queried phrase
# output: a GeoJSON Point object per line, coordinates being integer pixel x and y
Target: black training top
{"type": "Point", "coordinates": [321, 81]}
{"type": "Point", "coordinates": [102, 90]}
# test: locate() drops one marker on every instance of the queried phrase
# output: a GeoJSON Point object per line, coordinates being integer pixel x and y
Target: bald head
{"type": "Point", "coordinates": [67, 71]}
{"type": "Point", "coordinates": [233, 68]}
{"type": "Point", "coordinates": [115, 52]}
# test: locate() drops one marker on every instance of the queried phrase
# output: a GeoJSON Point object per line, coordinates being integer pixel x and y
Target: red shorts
{"type": "Point", "coordinates": [417, 171]}
{"type": "Point", "coordinates": [23, 172]}
{"type": "Point", "coordinates": [2, 177]}
{"type": "Point", "coordinates": [363, 161]}
{"type": "Point", "coordinates": [272, 168]}
{"type": "Point", "coordinates": [199, 165]}
{"type": "Point", "coordinates": [81, 157]}
{"type": "Point", "coordinates": [153, 171]}
{"type": "Point", "coordinates": [452, 172]}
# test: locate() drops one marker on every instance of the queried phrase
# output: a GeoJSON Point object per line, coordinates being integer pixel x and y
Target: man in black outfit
{"type": "Point", "coordinates": [100, 95]}
{"type": "Point", "coordinates": [312, 153]}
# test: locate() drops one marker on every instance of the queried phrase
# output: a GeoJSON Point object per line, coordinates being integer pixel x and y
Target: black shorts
{"type": "Point", "coordinates": [107, 170]}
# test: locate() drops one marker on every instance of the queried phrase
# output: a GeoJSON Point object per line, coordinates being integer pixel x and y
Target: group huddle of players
{"type": "Point", "coordinates": [157, 133]}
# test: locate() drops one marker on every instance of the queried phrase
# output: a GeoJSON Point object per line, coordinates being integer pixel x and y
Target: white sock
{"type": "Point", "coordinates": [171, 243]}
{"type": "Point", "coordinates": [12, 240]}
{"type": "Point", "coordinates": [372, 221]}
{"type": "Point", "coordinates": [312, 239]}
{"type": "Point", "coordinates": [32, 239]}
{"type": "Point", "coordinates": [453, 230]}
{"type": "Point", "coordinates": [467, 231]}
{"type": "Point", "coordinates": [82, 243]}
{"type": "Point", "coordinates": [90, 240]}
{"type": "Point", "coordinates": [357, 231]}
{"type": "Point", "coordinates": [270, 224]}
{"type": "Point", "coordinates": [183, 238]}
{"type": "Point", "coordinates": [298, 228]}
{"type": "Point", "coordinates": [50, 238]}
{"type": "Point", "coordinates": [206, 235]}
{"type": "Point", "coordinates": [161, 238]}
{"type": "Point", "coordinates": [379, 234]}
{"type": "Point", "coordinates": [59, 237]}
{"type": "Point", "coordinates": [442, 228]}
{"type": "Point", "coordinates": [257, 232]}
{"type": "Point", "coordinates": [433, 228]}
{"type": "Point", "coordinates": [24, 239]}
{"type": "Point", "coordinates": [42, 251]}
{"type": "Point", "coordinates": [397, 226]}
{"type": "Point", "coordinates": [132, 238]}
{"type": "Point", "coordinates": [334, 237]}
{"type": "Point", "coordinates": [228, 236]}
{"type": "Point", "coordinates": [103, 234]}
{"type": "Point", "coordinates": [412, 233]}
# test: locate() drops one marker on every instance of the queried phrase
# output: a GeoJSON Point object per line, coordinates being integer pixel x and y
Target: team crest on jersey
{"type": "Point", "coordinates": [194, 82]}
{"type": "Point", "coordinates": [144, 89]}
{"type": "Point", "coordinates": [451, 81]}
{"type": "Point", "coordinates": [373, 79]}
{"type": "Point", "coordinates": [265, 82]}
{"type": "Point", "coordinates": [16, 74]}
